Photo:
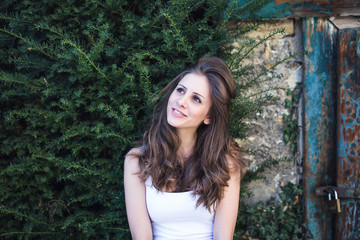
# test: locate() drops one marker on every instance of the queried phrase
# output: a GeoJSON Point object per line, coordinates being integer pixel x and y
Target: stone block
{"type": "Point", "coordinates": [265, 29]}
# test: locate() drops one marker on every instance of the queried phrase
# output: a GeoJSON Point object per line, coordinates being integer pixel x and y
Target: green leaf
{"type": "Point", "coordinates": [286, 138]}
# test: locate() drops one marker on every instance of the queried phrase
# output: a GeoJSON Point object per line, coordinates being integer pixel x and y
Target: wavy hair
{"type": "Point", "coordinates": [207, 170]}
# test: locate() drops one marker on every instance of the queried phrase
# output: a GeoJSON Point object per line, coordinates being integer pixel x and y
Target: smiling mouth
{"type": "Point", "coordinates": [178, 113]}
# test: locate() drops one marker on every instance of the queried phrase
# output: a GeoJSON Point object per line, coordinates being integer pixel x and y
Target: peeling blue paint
{"type": "Point", "coordinates": [320, 93]}
{"type": "Point", "coordinates": [358, 47]}
{"type": "Point", "coordinates": [273, 10]}
{"type": "Point", "coordinates": [326, 11]}
{"type": "Point", "coordinates": [270, 10]}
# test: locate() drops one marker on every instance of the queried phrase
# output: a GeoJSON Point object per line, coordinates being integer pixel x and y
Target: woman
{"type": "Point", "coordinates": [184, 182]}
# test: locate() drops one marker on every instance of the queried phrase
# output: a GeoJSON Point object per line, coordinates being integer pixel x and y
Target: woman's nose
{"type": "Point", "coordinates": [183, 101]}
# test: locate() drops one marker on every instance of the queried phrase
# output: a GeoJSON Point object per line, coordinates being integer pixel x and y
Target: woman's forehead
{"type": "Point", "coordinates": [197, 83]}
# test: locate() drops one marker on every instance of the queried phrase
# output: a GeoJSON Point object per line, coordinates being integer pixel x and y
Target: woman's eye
{"type": "Point", "coordinates": [180, 90]}
{"type": "Point", "coordinates": [197, 99]}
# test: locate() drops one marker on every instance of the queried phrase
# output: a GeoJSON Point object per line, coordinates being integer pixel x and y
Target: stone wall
{"type": "Point", "coordinates": [265, 137]}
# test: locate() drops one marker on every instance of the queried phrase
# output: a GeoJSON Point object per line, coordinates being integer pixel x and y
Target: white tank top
{"type": "Point", "coordinates": [175, 216]}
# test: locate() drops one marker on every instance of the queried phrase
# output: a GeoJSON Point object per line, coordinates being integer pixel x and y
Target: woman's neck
{"type": "Point", "coordinates": [188, 140]}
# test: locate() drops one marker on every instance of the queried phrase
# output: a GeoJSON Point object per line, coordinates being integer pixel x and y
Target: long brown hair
{"type": "Point", "coordinates": [206, 171]}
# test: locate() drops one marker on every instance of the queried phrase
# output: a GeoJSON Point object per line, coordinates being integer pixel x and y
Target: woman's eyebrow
{"type": "Point", "coordinates": [182, 86]}
{"type": "Point", "coordinates": [194, 92]}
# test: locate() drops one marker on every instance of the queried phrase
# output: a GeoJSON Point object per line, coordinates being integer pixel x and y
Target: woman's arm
{"type": "Point", "coordinates": [227, 209]}
{"type": "Point", "coordinates": [138, 217]}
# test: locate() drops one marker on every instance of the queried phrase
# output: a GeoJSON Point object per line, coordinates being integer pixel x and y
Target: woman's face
{"type": "Point", "coordinates": [188, 105]}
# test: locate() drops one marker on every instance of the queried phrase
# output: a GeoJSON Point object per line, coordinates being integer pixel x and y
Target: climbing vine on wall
{"type": "Point", "coordinates": [291, 119]}
{"type": "Point", "coordinates": [279, 219]}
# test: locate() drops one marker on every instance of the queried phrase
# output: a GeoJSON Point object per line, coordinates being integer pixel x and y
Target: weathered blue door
{"type": "Point", "coordinates": [348, 132]}
{"type": "Point", "coordinates": [332, 125]}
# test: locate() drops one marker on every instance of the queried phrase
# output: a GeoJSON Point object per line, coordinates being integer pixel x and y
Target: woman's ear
{"type": "Point", "coordinates": [207, 121]}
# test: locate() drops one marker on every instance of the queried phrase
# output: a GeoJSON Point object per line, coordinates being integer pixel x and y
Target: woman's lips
{"type": "Point", "coordinates": [178, 113]}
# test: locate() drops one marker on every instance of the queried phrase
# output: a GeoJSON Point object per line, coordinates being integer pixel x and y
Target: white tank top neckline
{"type": "Point", "coordinates": [174, 215]}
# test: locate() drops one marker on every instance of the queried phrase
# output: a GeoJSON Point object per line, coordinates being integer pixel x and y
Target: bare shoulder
{"type": "Point", "coordinates": [234, 167]}
{"type": "Point", "coordinates": [134, 152]}
{"type": "Point", "coordinates": [232, 163]}
{"type": "Point", "coordinates": [132, 160]}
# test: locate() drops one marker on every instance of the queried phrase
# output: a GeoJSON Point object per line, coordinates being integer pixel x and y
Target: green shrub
{"type": "Point", "coordinates": [274, 220]}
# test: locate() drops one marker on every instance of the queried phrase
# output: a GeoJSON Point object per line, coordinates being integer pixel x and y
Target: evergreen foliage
{"type": "Point", "coordinates": [77, 80]}
{"type": "Point", "coordinates": [274, 220]}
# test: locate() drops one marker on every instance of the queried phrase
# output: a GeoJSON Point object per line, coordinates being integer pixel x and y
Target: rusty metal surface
{"type": "Point", "coordinates": [349, 193]}
{"type": "Point", "coordinates": [320, 91]}
{"type": "Point", "coordinates": [348, 167]}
